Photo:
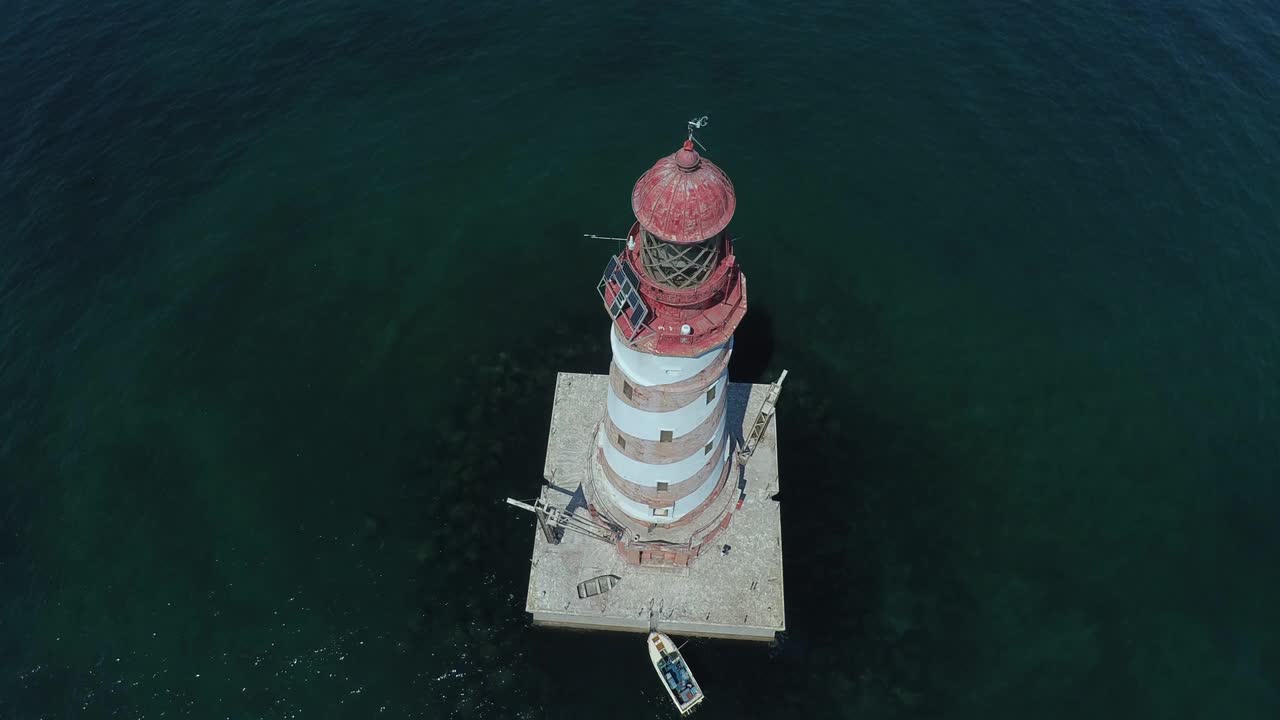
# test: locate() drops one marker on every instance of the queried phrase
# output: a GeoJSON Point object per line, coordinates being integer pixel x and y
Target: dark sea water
{"type": "Point", "coordinates": [284, 287]}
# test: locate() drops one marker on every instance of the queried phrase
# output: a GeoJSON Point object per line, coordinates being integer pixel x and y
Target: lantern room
{"type": "Point", "coordinates": [676, 288]}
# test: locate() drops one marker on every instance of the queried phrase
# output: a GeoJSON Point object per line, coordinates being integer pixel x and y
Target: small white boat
{"type": "Point", "coordinates": [674, 672]}
{"type": "Point", "coordinates": [597, 585]}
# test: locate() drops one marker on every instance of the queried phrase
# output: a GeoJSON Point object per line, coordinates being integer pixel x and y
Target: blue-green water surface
{"type": "Point", "coordinates": [284, 287]}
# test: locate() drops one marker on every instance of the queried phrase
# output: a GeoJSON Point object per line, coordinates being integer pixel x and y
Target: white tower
{"type": "Point", "coordinates": [675, 295]}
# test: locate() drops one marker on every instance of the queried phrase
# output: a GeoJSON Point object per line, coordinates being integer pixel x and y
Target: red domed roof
{"type": "Point", "coordinates": [684, 198]}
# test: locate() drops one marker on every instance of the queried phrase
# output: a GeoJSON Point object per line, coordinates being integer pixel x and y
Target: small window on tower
{"type": "Point", "coordinates": [711, 394]}
{"type": "Point", "coordinates": [627, 389]}
{"type": "Point", "coordinates": [662, 487]}
{"type": "Point", "coordinates": [707, 450]}
{"type": "Point", "coordinates": [664, 436]}
{"type": "Point", "coordinates": [622, 443]}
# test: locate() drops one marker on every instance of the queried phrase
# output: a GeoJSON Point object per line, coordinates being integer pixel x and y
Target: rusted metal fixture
{"type": "Point", "coordinates": [763, 418]}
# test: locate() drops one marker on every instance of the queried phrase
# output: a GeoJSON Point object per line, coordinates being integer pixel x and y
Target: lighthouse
{"type": "Point", "coordinates": [651, 516]}
{"type": "Point", "coordinates": [674, 295]}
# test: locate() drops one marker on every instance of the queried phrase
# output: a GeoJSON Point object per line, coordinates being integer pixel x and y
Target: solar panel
{"type": "Point", "coordinates": [639, 316]}
{"type": "Point", "coordinates": [621, 278]}
{"type": "Point", "coordinates": [631, 274]}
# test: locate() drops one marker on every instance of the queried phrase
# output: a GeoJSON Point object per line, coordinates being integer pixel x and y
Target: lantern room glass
{"type": "Point", "coordinates": [679, 266]}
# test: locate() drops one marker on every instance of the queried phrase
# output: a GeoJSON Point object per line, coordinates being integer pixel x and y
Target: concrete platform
{"type": "Point", "coordinates": [738, 595]}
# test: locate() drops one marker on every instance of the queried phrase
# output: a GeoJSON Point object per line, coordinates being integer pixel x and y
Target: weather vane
{"type": "Point", "coordinates": [698, 124]}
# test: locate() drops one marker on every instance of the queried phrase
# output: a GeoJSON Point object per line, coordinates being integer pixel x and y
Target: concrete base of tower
{"type": "Point", "coordinates": [732, 589]}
